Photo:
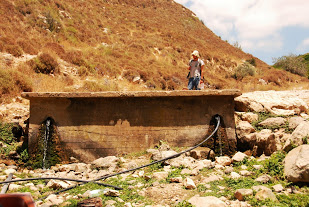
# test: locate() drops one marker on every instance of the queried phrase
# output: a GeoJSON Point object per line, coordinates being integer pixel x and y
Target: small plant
{"type": "Point", "coordinates": [274, 165]}
{"type": "Point", "coordinates": [45, 64]}
{"type": "Point", "coordinates": [174, 173]}
{"type": "Point", "coordinates": [184, 204]}
{"type": "Point", "coordinates": [243, 70]}
{"type": "Point", "coordinates": [15, 50]}
{"type": "Point", "coordinates": [6, 134]}
{"type": "Point", "coordinates": [252, 62]}
{"type": "Point", "coordinates": [237, 45]}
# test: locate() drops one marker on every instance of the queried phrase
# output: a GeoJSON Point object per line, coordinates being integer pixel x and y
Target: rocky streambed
{"type": "Point", "coordinates": [271, 167]}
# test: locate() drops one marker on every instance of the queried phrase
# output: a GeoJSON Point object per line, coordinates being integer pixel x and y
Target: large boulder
{"type": "Point", "coordinates": [275, 102]}
{"type": "Point", "coordinates": [272, 122]}
{"type": "Point", "coordinates": [245, 136]}
{"type": "Point", "coordinates": [265, 142]}
{"type": "Point", "coordinates": [298, 136]}
{"type": "Point", "coordinates": [296, 164]}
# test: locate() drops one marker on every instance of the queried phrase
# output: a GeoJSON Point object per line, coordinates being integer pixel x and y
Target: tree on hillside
{"type": "Point", "coordinates": [292, 63]}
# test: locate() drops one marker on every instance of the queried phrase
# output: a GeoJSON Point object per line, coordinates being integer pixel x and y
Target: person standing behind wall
{"type": "Point", "coordinates": [196, 66]}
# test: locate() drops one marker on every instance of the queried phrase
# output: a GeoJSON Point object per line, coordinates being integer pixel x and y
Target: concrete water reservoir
{"type": "Point", "coordinates": [93, 125]}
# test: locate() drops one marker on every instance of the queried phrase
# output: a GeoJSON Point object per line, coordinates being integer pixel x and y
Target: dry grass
{"type": "Point", "coordinates": [128, 38]}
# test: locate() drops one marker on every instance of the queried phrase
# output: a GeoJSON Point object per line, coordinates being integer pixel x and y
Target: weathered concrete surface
{"type": "Point", "coordinates": [92, 125]}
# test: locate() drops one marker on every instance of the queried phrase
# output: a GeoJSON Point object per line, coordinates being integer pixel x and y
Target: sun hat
{"type": "Point", "coordinates": [195, 53]}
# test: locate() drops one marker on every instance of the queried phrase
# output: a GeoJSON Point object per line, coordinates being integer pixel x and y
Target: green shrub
{"type": "Point", "coordinates": [244, 70]}
{"type": "Point", "coordinates": [6, 134]}
{"type": "Point", "coordinates": [274, 165]}
{"type": "Point", "coordinates": [14, 50]}
{"type": "Point", "coordinates": [292, 63]}
{"type": "Point", "coordinates": [252, 62]}
{"type": "Point", "coordinates": [75, 57]}
{"type": "Point", "coordinates": [45, 64]}
{"type": "Point", "coordinates": [14, 82]}
{"type": "Point", "coordinates": [6, 82]}
{"type": "Point", "coordinates": [184, 204]}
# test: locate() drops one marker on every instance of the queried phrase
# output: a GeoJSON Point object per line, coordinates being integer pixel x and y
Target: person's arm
{"type": "Point", "coordinates": [202, 67]}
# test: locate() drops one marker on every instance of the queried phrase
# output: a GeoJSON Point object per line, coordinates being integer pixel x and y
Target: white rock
{"type": "Point", "coordinates": [223, 160]}
{"type": "Point", "coordinates": [189, 183]}
{"type": "Point", "coordinates": [238, 157]}
{"type": "Point", "coordinates": [296, 138]}
{"type": "Point", "coordinates": [278, 188]}
{"type": "Point", "coordinates": [235, 175]}
{"type": "Point", "coordinates": [106, 162]}
{"type": "Point", "coordinates": [160, 175]}
{"type": "Point", "coordinates": [296, 164]}
{"type": "Point", "coordinates": [209, 201]}
{"type": "Point", "coordinates": [8, 171]}
{"type": "Point", "coordinates": [241, 193]}
{"type": "Point", "coordinates": [265, 194]}
{"type": "Point", "coordinates": [13, 186]}
{"type": "Point", "coordinates": [263, 179]}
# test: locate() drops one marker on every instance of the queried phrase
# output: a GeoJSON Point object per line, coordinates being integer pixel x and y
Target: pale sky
{"type": "Point", "coordinates": [266, 29]}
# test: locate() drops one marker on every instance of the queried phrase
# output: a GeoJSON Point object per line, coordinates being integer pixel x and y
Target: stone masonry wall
{"type": "Point", "coordinates": [93, 125]}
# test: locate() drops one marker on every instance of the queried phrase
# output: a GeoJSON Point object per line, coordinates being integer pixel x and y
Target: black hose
{"type": "Point", "coordinates": [217, 117]}
{"type": "Point", "coordinates": [56, 178]}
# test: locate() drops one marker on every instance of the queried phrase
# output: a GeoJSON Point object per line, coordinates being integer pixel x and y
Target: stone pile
{"type": "Point", "coordinates": [176, 190]}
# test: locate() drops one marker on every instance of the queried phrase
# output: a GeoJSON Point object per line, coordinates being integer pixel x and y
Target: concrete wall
{"type": "Point", "coordinates": [93, 125]}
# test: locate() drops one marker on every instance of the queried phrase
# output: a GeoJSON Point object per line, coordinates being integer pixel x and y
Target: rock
{"type": "Point", "coordinates": [158, 155]}
{"type": "Point", "coordinates": [265, 194]}
{"type": "Point", "coordinates": [295, 121]}
{"type": "Point", "coordinates": [244, 128]}
{"type": "Point", "coordinates": [259, 187]}
{"type": "Point", "coordinates": [54, 199]}
{"type": "Point", "coordinates": [57, 184]}
{"type": "Point", "coordinates": [235, 175]}
{"type": "Point", "coordinates": [209, 201]}
{"type": "Point", "coordinates": [223, 160]}
{"type": "Point", "coordinates": [202, 153]}
{"type": "Point", "coordinates": [266, 143]}
{"type": "Point", "coordinates": [160, 175]}
{"type": "Point", "coordinates": [228, 170]}
{"type": "Point", "coordinates": [187, 162]}
{"type": "Point", "coordinates": [239, 157]}
{"type": "Point", "coordinates": [106, 162]}
{"type": "Point", "coordinates": [13, 186]}
{"type": "Point", "coordinates": [241, 193]}
{"type": "Point", "coordinates": [257, 167]}
{"type": "Point", "coordinates": [245, 173]}
{"type": "Point", "coordinates": [10, 170]}
{"type": "Point", "coordinates": [296, 138]}
{"type": "Point", "coordinates": [245, 136]}
{"type": "Point", "coordinates": [278, 188]}
{"type": "Point", "coordinates": [110, 192]}
{"type": "Point", "coordinates": [14, 155]}
{"type": "Point", "coordinates": [127, 205]}
{"type": "Point", "coordinates": [272, 122]}
{"type": "Point", "coordinates": [275, 102]}
{"type": "Point", "coordinates": [296, 164]}
{"type": "Point", "coordinates": [189, 183]}
{"type": "Point", "coordinates": [81, 167]}
{"type": "Point", "coordinates": [249, 117]}
{"type": "Point", "coordinates": [211, 178]}
{"type": "Point", "coordinates": [94, 202]}
{"type": "Point", "coordinates": [263, 179]}
{"type": "Point", "coordinates": [176, 180]}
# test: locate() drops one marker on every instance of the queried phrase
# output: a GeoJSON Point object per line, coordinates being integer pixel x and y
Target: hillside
{"type": "Point", "coordinates": [99, 45]}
